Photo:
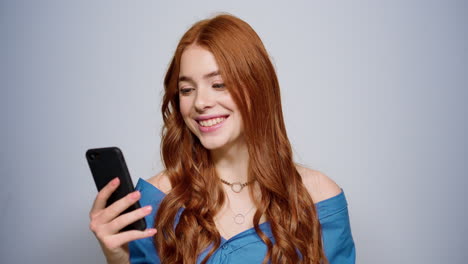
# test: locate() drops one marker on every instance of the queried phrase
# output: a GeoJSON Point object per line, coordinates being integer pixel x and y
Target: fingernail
{"type": "Point", "coordinates": [115, 181]}
{"type": "Point", "coordinates": [148, 208]}
{"type": "Point", "coordinates": [151, 231]}
{"type": "Point", "coordinates": [135, 194]}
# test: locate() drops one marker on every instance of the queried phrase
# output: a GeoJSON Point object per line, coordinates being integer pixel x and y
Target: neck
{"type": "Point", "coordinates": [232, 162]}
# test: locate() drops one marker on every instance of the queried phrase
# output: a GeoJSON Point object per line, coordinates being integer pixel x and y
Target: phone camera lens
{"type": "Point", "coordinates": [92, 156]}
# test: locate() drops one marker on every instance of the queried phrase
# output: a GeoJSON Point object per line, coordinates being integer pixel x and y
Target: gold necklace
{"type": "Point", "coordinates": [237, 186]}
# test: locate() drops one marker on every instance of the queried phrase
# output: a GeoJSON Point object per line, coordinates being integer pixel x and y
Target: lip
{"type": "Point", "coordinates": [206, 117]}
{"type": "Point", "coordinates": [212, 128]}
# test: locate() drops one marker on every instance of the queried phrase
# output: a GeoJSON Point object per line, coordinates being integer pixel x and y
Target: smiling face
{"type": "Point", "coordinates": [205, 103]}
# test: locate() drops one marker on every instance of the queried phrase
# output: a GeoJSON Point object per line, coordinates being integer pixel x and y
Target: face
{"type": "Point", "coordinates": [205, 103]}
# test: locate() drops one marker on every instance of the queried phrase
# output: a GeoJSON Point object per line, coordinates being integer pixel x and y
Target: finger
{"type": "Point", "coordinates": [119, 239]}
{"type": "Point", "coordinates": [101, 198]}
{"type": "Point", "coordinates": [124, 220]}
{"type": "Point", "coordinates": [115, 209]}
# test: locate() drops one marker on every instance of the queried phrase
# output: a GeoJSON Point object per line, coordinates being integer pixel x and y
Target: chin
{"type": "Point", "coordinates": [212, 145]}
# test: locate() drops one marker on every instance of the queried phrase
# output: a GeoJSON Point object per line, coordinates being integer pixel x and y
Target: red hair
{"type": "Point", "coordinates": [251, 80]}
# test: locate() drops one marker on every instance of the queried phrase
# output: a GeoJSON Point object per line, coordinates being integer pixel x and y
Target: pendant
{"type": "Point", "coordinates": [239, 219]}
{"type": "Point", "coordinates": [237, 187]}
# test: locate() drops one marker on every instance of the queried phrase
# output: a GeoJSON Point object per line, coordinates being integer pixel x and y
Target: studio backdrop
{"type": "Point", "coordinates": [374, 95]}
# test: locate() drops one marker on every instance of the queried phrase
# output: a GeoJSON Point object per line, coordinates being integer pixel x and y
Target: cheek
{"type": "Point", "coordinates": [185, 106]}
{"type": "Point", "coordinates": [227, 101]}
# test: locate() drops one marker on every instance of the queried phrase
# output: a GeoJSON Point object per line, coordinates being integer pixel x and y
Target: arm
{"type": "Point", "coordinates": [337, 238]}
{"type": "Point", "coordinates": [152, 193]}
{"type": "Point", "coordinates": [332, 209]}
{"type": "Point", "coordinates": [106, 222]}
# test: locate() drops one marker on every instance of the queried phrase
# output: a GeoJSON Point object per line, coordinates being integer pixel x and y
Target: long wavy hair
{"type": "Point", "coordinates": [251, 80]}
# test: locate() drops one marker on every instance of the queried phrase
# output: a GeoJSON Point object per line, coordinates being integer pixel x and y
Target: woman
{"type": "Point", "coordinates": [230, 191]}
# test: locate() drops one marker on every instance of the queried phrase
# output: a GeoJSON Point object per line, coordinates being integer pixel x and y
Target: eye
{"type": "Point", "coordinates": [218, 85]}
{"type": "Point", "coordinates": [185, 91]}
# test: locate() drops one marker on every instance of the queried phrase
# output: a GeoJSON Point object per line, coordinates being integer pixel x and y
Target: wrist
{"type": "Point", "coordinates": [117, 260]}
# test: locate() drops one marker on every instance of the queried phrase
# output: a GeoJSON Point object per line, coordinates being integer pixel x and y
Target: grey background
{"type": "Point", "coordinates": [374, 95]}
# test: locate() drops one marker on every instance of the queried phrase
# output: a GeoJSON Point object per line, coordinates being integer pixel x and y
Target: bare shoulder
{"type": "Point", "coordinates": [161, 181]}
{"type": "Point", "coordinates": [320, 186]}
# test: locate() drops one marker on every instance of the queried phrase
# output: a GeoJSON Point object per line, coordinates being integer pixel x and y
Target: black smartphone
{"type": "Point", "coordinates": [105, 165]}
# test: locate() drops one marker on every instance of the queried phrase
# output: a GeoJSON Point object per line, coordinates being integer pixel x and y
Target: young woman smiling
{"type": "Point", "coordinates": [230, 191]}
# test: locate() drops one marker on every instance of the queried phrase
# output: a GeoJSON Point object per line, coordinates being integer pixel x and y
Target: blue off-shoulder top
{"type": "Point", "coordinates": [247, 247]}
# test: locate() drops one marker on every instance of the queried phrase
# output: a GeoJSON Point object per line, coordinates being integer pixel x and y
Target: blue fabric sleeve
{"type": "Point", "coordinates": [144, 250]}
{"type": "Point", "coordinates": [336, 230]}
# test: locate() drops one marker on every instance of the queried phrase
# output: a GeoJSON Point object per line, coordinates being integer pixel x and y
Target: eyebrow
{"type": "Point", "coordinates": [206, 76]}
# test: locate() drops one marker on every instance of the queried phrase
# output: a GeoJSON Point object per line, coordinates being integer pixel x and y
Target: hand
{"type": "Point", "coordinates": [106, 223]}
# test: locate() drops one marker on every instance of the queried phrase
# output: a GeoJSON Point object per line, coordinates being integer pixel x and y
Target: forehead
{"type": "Point", "coordinates": [196, 62]}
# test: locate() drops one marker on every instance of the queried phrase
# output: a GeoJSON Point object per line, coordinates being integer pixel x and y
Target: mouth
{"type": "Point", "coordinates": [211, 123]}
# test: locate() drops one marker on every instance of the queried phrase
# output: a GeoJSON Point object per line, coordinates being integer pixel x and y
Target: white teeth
{"type": "Point", "coordinates": [212, 122]}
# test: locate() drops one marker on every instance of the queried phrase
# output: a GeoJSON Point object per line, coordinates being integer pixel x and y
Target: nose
{"type": "Point", "coordinates": [204, 99]}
